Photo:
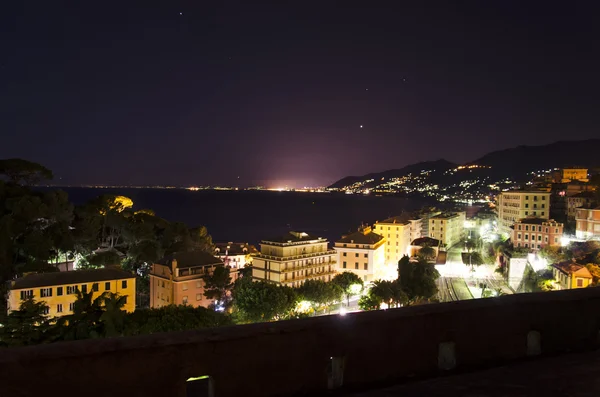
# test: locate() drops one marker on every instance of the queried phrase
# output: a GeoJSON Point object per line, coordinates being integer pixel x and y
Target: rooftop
{"type": "Point", "coordinates": [445, 215]}
{"type": "Point", "coordinates": [535, 221]}
{"type": "Point", "coordinates": [235, 248]}
{"type": "Point", "coordinates": [403, 219]}
{"type": "Point", "coordinates": [293, 237]}
{"type": "Point", "coordinates": [72, 277]}
{"type": "Point", "coordinates": [570, 268]}
{"type": "Point", "coordinates": [191, 259]}
{"type": "Point", "coordinates": [361, 238]}
{"type": "Point", "coordinates": [421, 241]}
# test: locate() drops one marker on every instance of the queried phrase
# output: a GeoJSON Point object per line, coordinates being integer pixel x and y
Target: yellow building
{"type": "Point", "coordinates": [570, 275]}
{"type": "Point", "coordinates": [519, 204]}
{"type": "Point", "coordinates": [59, 290]}
{"type": "Point", "coordinates": [396, 231]}
{"type": "Point", "coordinates": [294, 258]}
{"type": "Point", "coordinates": [363, 253]}
{"type": "Point", "coordinates": [566, 175]}
{"type": "Point", "coordinates": [448, 228]}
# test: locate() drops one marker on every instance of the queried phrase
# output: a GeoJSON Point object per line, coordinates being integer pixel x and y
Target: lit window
{"type": "Point", "coordinates": [198, 297]}
{"type": "Point", "coordinates": [185, 300]}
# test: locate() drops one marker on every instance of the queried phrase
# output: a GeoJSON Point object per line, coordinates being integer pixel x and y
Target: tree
{"type": "Point", "coordinates": [217, 285]}
{"type": "Point", "coordinates": [369, 302]}
{"type": "Point", "coordinates": [417, 280]}
{"type": "Point", "coordinates": [472, 258]}
{"type": "Point", "coordinates": [350, 283]}
{"type": "Point", "coordinates": [552, 254]}
{"type": "Point", "coordinates": [319, 293]}
{"type": "Point", "coordinates": [595, 271]}
{"type": "Point", "coordinates": [427, 253]}
{"type": "Point", "coordinates": [262, 301]}
{"type": "Point", "coordinates": [389, 292]}
{"type": "Point", "coordinates": [27, 326]}
{"type": "Point", "coordinates": [19, 171]}
{"type": "Point", "coordinates": [85, 322]}
{"type": "Point", "coordinates": [113, 317]}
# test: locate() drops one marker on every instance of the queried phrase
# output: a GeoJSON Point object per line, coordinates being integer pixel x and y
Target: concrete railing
{"type": "Point", "coordinates": [311, 355]}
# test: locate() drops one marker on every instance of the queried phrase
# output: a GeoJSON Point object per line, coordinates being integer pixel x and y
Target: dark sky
{"type": "Point", "coordinates": [133, 93]}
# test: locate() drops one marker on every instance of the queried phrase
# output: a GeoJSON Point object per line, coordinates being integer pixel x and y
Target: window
{"type": "Point", "coordinates": [526, 213]}
{"type": "Point", "coordinates": [198, 297]}
{"type": "Point", "coordinates": [125, 299]}
{"type": "Point", "coordinates": [366, 255]}
{"type": "Point", "coordinates": [198, 284]}
{"type": "Point", "coordinates": [45, 292]}
{"type": "Point", "coordinates": [345, 245]}
{"type": "Point", "coordinates": [356, 255]}
{"type": "Point", "coordinates": [71, 290]}
{"type": "Point", "coordinates": [527, 228]}
{"type": "Point", "coordinates": [519, 227]}
{"type": "Point", "coordinates": [539, 238]}
{"type": "Point", "coordinates": [184, 300]}
{"type": "Point", "coordinates": [543, 205]}
{"type": "Point", "coordinates": [95, 287]}
{"type": "Point", "coordinates": [580, 282]}
{"type": "Point", "coordinates": [388, 236]}
{"type": "Point", "coordinates": [356, 266]}
{"type": "Point", "coordinates": [59, 291]}
{"type": "Point", "coordinates": [185, 286]}
{"type": "Point", "coordinates": [124, 284]}
{"type": "Point", "coordinates": [84, 288]}
{"type": "Point", "coordinates": [519, 236]}
{"type": "Point", "coordinates": [538, 246]}
{"type": "Point", "coordinates": [526, 205]}
{"type": "Point", "coordinates": [389, 229]}
{"type": "Point", "coordinates": [344, 265]}
{"type": "Point", "coordinates": [366, 266]}
{"type": "Point", "coordinates": [163, 284]}
{"type": "Point", "coordinates": [526, 197]}
{"type": "Point", "coordinates": [26, 294]}
{"type": "Point", "coordinates": [344, 254]}
{"type": "Point", "coordinates": [107, 285]}
{"type": "Point", "coordinates": [543, 198]}
{"type": "Point", "coordinates": [556, 239]}
{"type": "Point", "coordinates": [527, 237]}
{"type": "Point", "coordinates": [59, 308]}
{"type": "Point", "coordinates": [71, 306]}
{"type": "Point", "coordinates": [46, 310]}
{"type": "Point", "coordinates": [543, 213]}
{"type": "Point", "coordinates": [546, 230]}
{"type": "Point", "coordinates": [556, 230]}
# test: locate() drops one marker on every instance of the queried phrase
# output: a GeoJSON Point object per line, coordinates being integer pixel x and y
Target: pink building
{"type": "Point", "coordinates": [177, 279]}
{"type": "Point", "coordinates": [588, 223]}
{"type": "Point", "coordinates": [536, 233]}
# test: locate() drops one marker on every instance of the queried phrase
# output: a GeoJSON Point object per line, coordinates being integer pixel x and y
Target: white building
{"type": "Point", "coordinates": [363, 253]}
{"type": "Point", "coordinates": [396, 231]}
{"type": "Point", "coordinates": [235, 255]}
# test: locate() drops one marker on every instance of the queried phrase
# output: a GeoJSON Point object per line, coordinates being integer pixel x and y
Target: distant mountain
{"type": "Point", "coordinates": [409, 169]}
{"type": "Point", "coordinates": [498, 170]}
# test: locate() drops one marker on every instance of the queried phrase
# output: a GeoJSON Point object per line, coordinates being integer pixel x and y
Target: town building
{"type": "Point", "coordinates": [362, 253]}
{"type": "Point", "coordinates": [580, 200]}
{"type": "Point", "coordinates": [569, 275]}
{"type": "Point", "coordinates": [421, 242]}
{"type": "Point", "coordinates": [537, 233]}
{"type": "Point", "coordinates": [294, 258]}
{"type": "Point", "coordinates": [177, 279]}
{"type": "Point", "coordinates": [587, 224]}
{"type": "Point", "coordinates": [448, 228]}
{"type": "Point", "coordinates": [566, 175]}
{"type": "Point", "coordinates": [235, 255]}
{"type": "Point", "coordinates": [59, 290]}
{"type": "Point", "coordinates": [396, 231]}
{"type": "Point", "coordinates": [518, 204]}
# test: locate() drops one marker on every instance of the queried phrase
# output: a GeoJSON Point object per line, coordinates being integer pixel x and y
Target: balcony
{"type": "Point", "coordinates": [295, 257]}
{"type": "Point", "coordinates": [309, 276]}
{"type": "Point", "coordinates": [314, 265]}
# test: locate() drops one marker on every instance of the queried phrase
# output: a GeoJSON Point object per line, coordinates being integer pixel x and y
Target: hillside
{"type": "Point", "coordinates": [443, 180]}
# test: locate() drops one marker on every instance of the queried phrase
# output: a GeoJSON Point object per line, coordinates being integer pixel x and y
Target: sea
{"type": "Point", "coordinates": [250, 216]}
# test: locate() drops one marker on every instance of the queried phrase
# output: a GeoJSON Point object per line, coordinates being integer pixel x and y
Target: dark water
{"type": "Point", "coordinates": [254, 215]}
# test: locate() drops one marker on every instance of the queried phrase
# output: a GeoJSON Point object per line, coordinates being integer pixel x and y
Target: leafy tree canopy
{"type": "Point", "coordinates": [25, 172]}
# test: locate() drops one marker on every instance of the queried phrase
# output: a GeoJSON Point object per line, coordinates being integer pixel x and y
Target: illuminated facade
{"type": "Point", "coordinates": [519, 204]}
{"type": "Point", "coordinates": [177, 279]}
{"type": "Point", "coordinates": [235, 255]}
{"type": "Point", "coordinates": [59, 290]}
{"type": "Point", "coordinates": [396, 231]}
{"type": "Point", "coordinates": [566, 175]}
{"type": "Point", "coordinates": [579, 200]}
{"type": "Point", "coordinates": [362, 253]}
{"type": "Point", "coordinates": [448, 228]}
{"type": "Point", "coordinates": [588, 224]}
{"type": "Point", "coordinates": [536, 233]}
{"type": "Point", "coordinates": [294, 258]}
{"type": "Point", "coordinates": [569, 275]}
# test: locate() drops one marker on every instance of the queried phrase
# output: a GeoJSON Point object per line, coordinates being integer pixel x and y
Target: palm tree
{"type": "Point", "coordinates": [113, 317]}
{"type": "Point", "coordinates": [84, 323]}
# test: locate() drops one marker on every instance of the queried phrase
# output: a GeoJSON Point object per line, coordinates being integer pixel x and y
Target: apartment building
{"type": "Point", "coordinates": [519, 204]}
{"type": "Point", "coordinates": [587, 224]}
{"type": "Point", "coordinates": [448, 228]}
{"type": "Point", "coordinates": [362, 253]}
{"type": "Point", "coordinates": [59, 290]}
{"type": "Point", "coordinates": [536, 233]}
{"type": "Point", "coordinates": [396, 231]}
{"type": "Point", "coordinates": [177, 279]}
{"type": "Point", "coordinates": [580, 200]}
{"type": "Point", "coordinates": [235, 255]}
{"type": "Point", "coordinates": [294, 258]}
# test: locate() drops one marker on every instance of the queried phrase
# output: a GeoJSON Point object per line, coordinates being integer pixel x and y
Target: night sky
{"type": "Point", "coordinates": [198, 92]}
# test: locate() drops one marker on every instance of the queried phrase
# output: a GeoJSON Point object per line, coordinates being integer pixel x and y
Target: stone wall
{"type": "Point", "coordinates": [308, 356]}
